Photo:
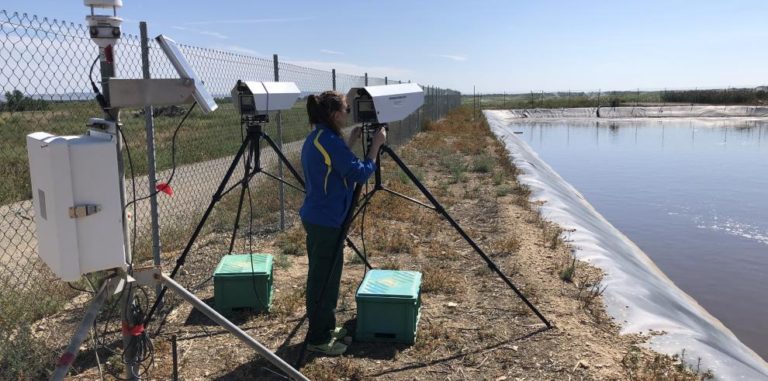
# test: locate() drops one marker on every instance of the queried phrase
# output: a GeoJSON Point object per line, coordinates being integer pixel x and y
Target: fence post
{"type": "Point", "coordinates": [333, 78]}
{"type": "Point", "coordinates": [366, 79]}
{"type": "Point", "coordinates": [151, 164]}
{"type": "Point", "coordinates": [421, 110]}
{"type": "Point", "coordinates": [281, 186]}
{"type": "Point", "coordinates": [435, 102]}
{"type": "Point", "coordinates": [386, 81]}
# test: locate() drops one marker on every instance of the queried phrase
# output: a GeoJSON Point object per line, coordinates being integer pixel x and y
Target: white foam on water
{"type": "Point", "coordinates": [638, 295]}
{"type": "Point", "coordinates": [733, 227]}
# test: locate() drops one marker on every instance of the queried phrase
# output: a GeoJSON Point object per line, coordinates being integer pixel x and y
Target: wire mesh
{"type": "Point", "coordinates": [46, 82]}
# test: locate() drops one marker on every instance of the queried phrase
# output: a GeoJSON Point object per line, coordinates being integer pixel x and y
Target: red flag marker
{"type": "Point", "coordinates": [165, 188]}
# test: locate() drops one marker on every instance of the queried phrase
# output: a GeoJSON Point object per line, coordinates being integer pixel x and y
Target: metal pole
{"type": "Point", "coordinates": [280, 145]}
{"type": "Point", "coordinates": [386, 81]}
{"type": "Point", "coordinates": [366, 79]}
{"type": "Point", "coordinates": [418, 119]}
{"type": "Point", "coordinates": [333, 78]}
{"type": "Point", "coordinates": [107, 58]}
{"type": "Point", "coordinates": [151, 175]}
{"type": "Point", "coordinates": [69, 356]}
{"type": "Point", "coordinates": [233, 329]}
{"type": "Point", "coordinates": [436, 110]}
{"type": "Point", "coordinates": [175, 355]}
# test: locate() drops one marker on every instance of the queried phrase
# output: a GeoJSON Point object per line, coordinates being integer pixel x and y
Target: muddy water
{"type": "Point", "coordinates": [691, 193]}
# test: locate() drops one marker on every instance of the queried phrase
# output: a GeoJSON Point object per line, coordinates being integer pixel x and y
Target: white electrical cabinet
{"type": "Point", "coordinates": [76, 193]}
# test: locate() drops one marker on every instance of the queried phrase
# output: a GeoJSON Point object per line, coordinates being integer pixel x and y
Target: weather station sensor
{"type": "Point", "coordinates": [255, 100]}
{"type": "Point", "coordinates": [104, 29]}
{"type": "Point", "coordinates": [384, 104]}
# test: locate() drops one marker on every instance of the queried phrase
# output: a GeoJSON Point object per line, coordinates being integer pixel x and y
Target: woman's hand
{"type": "Point", "coordinates": [379, 138]}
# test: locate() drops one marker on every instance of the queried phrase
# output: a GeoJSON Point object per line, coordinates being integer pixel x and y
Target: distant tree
{"type": "Point", "coordinates": [16, 101]}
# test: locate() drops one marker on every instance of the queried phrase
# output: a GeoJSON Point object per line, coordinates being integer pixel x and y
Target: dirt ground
{"type": "Point", "coordinates": [472, 326]}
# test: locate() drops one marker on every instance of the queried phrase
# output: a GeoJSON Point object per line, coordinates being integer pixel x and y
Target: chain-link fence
{"type": "Point", "coordinates": [46, 81]}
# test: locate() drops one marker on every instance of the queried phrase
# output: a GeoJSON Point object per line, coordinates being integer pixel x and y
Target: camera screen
{"type": "Point", "coordinates": [365, 106]}
{"type": "Point", "coordinates": [246, 104]}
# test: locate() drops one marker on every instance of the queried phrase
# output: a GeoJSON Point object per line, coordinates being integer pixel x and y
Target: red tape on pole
{"type": "Point", "coordinates": [136, 330]}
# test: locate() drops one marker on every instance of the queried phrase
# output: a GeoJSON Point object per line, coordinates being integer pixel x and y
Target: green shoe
{"type": "Point", "coordinates": [339, 333]}
{"type": "Point", "coordinates": [331, 348]}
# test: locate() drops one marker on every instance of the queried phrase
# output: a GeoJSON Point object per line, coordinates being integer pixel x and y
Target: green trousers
{"type": "Point", "coordinates": [321, 309]}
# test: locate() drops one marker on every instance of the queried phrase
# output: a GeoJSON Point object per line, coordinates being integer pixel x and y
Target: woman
{"type": "Point", "coordinates": [331, 170]}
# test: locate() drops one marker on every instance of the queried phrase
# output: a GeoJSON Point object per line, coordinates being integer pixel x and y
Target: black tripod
{"type": "Point", "coordinates": [437, 207]}
{"type": "Point", "coordinates": [251, 149]}
{"type": "Point", "coordinates": [368, 130]}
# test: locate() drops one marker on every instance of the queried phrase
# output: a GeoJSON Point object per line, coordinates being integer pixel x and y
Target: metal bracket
{"type": "Point", "coordinates": [150, 92]}
{"type": "Point", "coordinates": [148, 276]}
{"type": "Point", "coordinates": [79, 211]}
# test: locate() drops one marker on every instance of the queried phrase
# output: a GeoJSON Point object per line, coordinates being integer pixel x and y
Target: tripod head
{"type": "Point", "coordinates": [369, 129]}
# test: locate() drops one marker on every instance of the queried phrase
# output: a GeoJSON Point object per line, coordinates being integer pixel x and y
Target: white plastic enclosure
{"type": "Point", "coordinates": [392, 102]}
{"type": "Point", "coordinates": [76, 195]}
{"type": "Point", "coordinates": [266, 96]}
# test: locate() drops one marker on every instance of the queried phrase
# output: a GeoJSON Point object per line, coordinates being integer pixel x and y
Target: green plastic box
{"type": "Point", "coordinates": [388, 306]}
{"type": "Point", "coordinates": [243, 281]}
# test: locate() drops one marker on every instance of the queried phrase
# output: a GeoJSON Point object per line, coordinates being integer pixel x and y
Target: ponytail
{"type": "Point", "coordinates": [315, 112]}
{"type": "Point", "coordinates": [320, 109]}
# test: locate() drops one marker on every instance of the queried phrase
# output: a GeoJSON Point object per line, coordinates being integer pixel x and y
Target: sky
{"type": "Point", "coordinates": [492, 46]}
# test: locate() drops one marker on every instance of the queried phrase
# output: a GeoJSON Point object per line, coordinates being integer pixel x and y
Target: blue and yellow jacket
{"type": "Point", "coordinates": [331, 170]}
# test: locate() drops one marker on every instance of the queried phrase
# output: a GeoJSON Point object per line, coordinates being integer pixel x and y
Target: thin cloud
{"type": "Point", "coordinates": [331, 52]}
{"type": "Point", "coordinates": [355, 69]}
{"type": "Point", "coordinates": [241, 50]}
{"type": "Point", "coordinates": [214, 34]}
{"type": "Point", "coordinates": [453, 57]}
{"type": "Point", "coordinates": [201, 31]}
{"type": "Point", "coordinates": [251, 21]}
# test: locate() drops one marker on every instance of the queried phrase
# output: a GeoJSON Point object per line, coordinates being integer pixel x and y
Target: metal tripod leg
{"type": "Point", "coordinates": [66, 359]}
{"type": "Point", "coordinates": [154, 275]}
{"type": "Point", "coordinates": [439, 208]}
{"type": "Point", "coordinates": [244, 187]}
{"type": "Point", "coordinates": [214, 200]}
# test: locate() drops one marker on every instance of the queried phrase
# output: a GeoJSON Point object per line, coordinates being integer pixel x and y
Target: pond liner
{"type": "Point", "coordinates": [640, 297]}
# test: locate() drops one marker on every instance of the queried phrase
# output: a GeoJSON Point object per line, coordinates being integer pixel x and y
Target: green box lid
{"type": "Point", "coordinates": [390, 284]}
{"type": "Point", "coordinates": [238, 264]}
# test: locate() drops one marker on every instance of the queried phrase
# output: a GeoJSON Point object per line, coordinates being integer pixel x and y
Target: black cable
{"type": "Point", "coordinates": [133, 190]}
{"type": "Point", "coordinates": [140, 344]}
{"type": "Point", "coordinates": [79, 289]}
{"type": "Point", "coordinates": [250, 251]}
{"type": "Point", "coordinates": [99, 97]}
{"type": "Point", "coordinates": [362, 221]}
{"type": "Point", "coordinates": [173, 156]}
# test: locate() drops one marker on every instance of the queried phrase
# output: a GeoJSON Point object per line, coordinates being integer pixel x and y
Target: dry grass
{"type": "Point", "coordinates": [292, 241]}
{"type": "Point", "coordinates": [439, 280]}
{"type": "Point", "coordinates": [343, 368]}
{"type": "Point", "coordinates": [641, 366]}
{"type": "Point", "coordinates": [506, 246]}
{"type": "Point", "coordinates": [290, 303]}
